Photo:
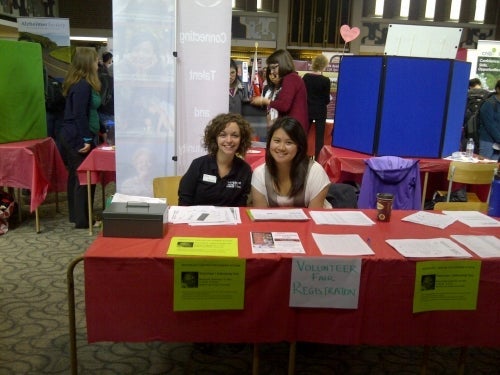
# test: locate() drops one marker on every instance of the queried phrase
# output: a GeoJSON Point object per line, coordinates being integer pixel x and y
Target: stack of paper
{"type": "Point", "coordinates": [292, 214]}
{"type": "Point", "coordinates": [204, 215]}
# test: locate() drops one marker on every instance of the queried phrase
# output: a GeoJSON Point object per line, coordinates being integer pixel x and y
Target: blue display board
{"type": "Point", "coordinates": [357, 102]}
{"type": "Point", "coordinates": [401, 106]}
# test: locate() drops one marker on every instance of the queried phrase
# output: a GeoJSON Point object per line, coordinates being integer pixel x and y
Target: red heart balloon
{"type": "Point", "coordinates": [349, 34]}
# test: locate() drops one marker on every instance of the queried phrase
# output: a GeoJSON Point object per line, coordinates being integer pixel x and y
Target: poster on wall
{"type": "Point", "coordinates": [488, 63]}
{"type": "Point", "coordinates": [53, 35]}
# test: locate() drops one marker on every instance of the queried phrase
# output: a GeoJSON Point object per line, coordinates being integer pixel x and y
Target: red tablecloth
{"type": "Point", "coordinates": [255, 157]}
{"type": "Point", "coordinates": [35, 165]}
{"type": "Point", "coordinates": [101, 164]}
{"type": "Point", "coordinates": [129, 293]}
{"type": "Point", "coordinates": [337, 161]}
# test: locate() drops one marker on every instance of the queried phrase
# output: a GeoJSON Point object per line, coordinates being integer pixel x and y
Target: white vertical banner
{"type": "Point", "coordinates": [203, 47]}
{"type": "Point", "coordinates": [144, 78]}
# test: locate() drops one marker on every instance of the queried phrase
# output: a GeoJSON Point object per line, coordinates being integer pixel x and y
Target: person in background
{"type": "Point", "coordinates": [107, 109]}
{"type": "Point", "coordinates": [80, 126]}
{"type": "Point", "coordinates": [289, 178]}
{"type": "Point", "coordinates": [489, 131]}
{"type": "Point", "coordinates": [222, 177]}
{"type": "Point", "coordinates": [318, 97]}
{"type": "Point", "coordinates": [270, 92]}
{"type": "Point", "coordinates": [237, 92]}
{"type": "Point", "coordinates": [292, 99]}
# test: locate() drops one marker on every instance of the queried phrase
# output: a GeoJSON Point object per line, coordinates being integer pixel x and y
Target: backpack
{"type": "Point", "coordinates": [54, 98]}
{"type": "Point", "coordinates": [475, 100]}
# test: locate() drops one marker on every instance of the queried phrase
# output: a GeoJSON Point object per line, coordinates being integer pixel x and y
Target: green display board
{"type": "Point", "coordinates": [22, 99]}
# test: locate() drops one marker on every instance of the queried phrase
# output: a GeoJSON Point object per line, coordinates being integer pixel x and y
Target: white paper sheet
{"type": "Point", "coordinates": [342, 244]}
{"type": "Point", "coordinates": [430, 219]}
{"type": "Point", "coordinates": [474, 219]}
{"type": "Point", "coordinates": [123, 198]}
{"type": "Point", "coordinates": [483, 246]}
{"type": "Point", "coordinates": [428, 248]}
{"type": "Point", "coordinates": [341, 218]}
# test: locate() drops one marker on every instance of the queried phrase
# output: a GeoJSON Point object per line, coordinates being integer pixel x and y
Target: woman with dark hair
{"type": "Point", "coordinates": [80, 126]}
{"type": "Point", "coordinates": [292, 98]}
{"type": "Point", "coordinates": [289, 178]}
{"type": "Point", "coordinates": [221, 178]}
{"type": "Point", "coordinates": [237, 92]}
{"type": "Point", "coordinates": [271, 91]}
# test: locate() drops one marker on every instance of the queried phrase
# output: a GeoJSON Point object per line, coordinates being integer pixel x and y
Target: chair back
{"type": "Point", "coordinates": [472, 174]}
{"type": "Point", "coordinates": [167, 187]}
{"type": "Point", "coordinates": [461, 206]}
{"type": "Point", "coordinates": [394, 175]}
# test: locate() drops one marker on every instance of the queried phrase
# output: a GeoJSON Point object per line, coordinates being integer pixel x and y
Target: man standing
{"type": "Point", "coordinates": [107, 109]}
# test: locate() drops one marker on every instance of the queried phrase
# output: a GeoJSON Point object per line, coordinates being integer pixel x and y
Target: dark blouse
{"type": "Point", "coordinates": [202, 185]}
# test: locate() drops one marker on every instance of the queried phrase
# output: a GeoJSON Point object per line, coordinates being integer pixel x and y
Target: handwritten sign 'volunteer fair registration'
{"type": "Point", "coordinates": [320, 282]}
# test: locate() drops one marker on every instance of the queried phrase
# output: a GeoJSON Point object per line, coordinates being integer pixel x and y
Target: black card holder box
{"type": "Point", "coordinates": [135, 220]}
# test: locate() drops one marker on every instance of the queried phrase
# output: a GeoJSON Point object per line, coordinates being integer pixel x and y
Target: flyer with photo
{"type": "Point", "coordinates": [276, 242]}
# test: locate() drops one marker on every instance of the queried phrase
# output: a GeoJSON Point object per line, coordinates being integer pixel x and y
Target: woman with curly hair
{"type": "Point", "coordinates": [80, 126]}
{"type": "Point", "coordinates": [222, 177]}
{"type": "Point", "coordinates": [289, 178]}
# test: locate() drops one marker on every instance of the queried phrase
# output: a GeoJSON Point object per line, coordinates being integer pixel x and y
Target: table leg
{"type": "Point", "coordinates": [37, 221]}
{"type": "Point", "coordinates": [72, 314]}
{"type": "Point", "coordinates": [461, 360]}
{"type": "Point", "coordinates": [424, 188]}
{"type": "Point", "coordinates": [19, 204]}
{"type": "Point", "coordinates": [57, 202]}
{"type": "Point", "coordinates": [291, 358]}
{"type": "Point", "coordinates": [89, 198]}
{"type": "Point", "coordinates": [425, 360]}
{"type": "Point", "coordinates": [255, 360]}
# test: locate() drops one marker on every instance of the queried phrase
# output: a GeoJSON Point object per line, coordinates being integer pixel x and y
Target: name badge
{"type": "Point", "coordinates": [209, 178]}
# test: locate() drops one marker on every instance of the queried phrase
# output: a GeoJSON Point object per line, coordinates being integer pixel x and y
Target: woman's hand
{"type": "Point", "coordinates": [258, 199]}
{"type": "Point", "coordinates": [85, 149]}
{"type": "Point", "coordinates": [260, 101]}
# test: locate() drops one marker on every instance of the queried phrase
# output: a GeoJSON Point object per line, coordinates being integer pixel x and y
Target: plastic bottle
{"type": "Point", "coordinates": [469, 149]}
{"type": "Point", "coordinates": [110, 133]}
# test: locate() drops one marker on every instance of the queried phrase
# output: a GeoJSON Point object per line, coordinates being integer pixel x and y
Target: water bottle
{"type": "Point", "coordinates": [110, 133]}
{"type": "Point", "coordinates": [469, 149]}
